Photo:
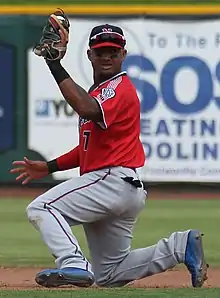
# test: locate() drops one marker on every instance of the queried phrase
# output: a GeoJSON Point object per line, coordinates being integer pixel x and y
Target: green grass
{"type": "Point", "coordinates": [21, 244]}
{"type": "Point", "coordinates": [73, 2]}
{"type": "Point", "coordinates": [135, 293]}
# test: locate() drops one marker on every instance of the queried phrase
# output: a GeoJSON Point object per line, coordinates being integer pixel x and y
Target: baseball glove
{"type": "Point", "coordinates": [55, 36]}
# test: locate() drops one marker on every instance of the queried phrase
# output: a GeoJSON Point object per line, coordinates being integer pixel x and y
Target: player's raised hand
{"type": "Point", "coordinates": [55, 36]}
{"type": "Point", "coordinates": [29, 170]}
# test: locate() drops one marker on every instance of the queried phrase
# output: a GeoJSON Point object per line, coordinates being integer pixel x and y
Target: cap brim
{"type": "Point", "coordinates": [106, 44]}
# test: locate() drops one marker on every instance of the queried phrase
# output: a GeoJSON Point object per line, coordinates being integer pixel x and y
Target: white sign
{"type": "Point", "coordinates": [176, 70]}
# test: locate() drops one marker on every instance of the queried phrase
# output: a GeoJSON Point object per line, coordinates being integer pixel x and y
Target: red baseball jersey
{"type": "Point", "coordinates": [116, 140]}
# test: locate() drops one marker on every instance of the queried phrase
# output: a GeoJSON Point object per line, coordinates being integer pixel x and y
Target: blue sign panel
{"type": "Point", "coordinates": [7, 106]}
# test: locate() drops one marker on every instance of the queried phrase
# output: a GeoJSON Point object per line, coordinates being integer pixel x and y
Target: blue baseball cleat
{"type": "Point", "coordinates": [195, 259]}
{"type": "Point", "coordinates": [66, 276]}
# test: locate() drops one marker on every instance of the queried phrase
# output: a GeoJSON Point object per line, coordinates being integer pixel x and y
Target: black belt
{"type": "Point", "coordinates": [135, 182]}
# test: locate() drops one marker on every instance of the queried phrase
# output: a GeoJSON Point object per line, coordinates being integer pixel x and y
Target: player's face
{"type": "Point", "coordinates": [106, 61]}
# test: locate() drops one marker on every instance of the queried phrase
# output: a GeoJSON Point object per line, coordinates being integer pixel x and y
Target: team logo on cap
{"type": "Point", "coordinates": [107, 29]}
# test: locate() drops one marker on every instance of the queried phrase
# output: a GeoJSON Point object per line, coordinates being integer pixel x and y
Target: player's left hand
{"type": "Point", "coordinates": [28, 170]}
{"type": "Point", "coordinates": [55, 36]}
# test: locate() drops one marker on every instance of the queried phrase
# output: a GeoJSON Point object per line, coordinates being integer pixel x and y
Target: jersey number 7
{"type": "Point", "coordinates": [86, 135]}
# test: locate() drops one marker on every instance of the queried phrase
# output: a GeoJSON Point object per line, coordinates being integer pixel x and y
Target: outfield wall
{"type": "Point", "coordinates": [174, 65]}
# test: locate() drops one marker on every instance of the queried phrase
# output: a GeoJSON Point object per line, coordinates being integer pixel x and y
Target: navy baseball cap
{"type": "Point", "coordinates": [107, 36]}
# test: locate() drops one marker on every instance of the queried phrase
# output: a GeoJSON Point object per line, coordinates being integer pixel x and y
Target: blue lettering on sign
{"type": "Point", "coordinates": [7, 107]}
{"type": "Point", "coordinates": [207, 146]}
{"type": "Point", "coordinates": [42, 107]}
{"type": "Point", "coordinates": [205, 92]}
{"type": "Point", "coordinates": [147, 90]}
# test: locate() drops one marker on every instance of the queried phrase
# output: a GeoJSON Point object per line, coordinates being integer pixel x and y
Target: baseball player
{"type": "Point", "coordinates": [108, 195]}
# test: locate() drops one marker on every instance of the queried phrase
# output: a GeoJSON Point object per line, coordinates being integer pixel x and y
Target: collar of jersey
{"type": "Point", "coordinates": [112, 78]}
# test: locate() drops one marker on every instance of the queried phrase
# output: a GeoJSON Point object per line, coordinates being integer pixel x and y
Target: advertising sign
{"type": "Point", "coordinates": [175, 67]}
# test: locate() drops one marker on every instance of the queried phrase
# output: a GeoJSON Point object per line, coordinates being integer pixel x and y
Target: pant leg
{"type": "Point", "coordinates": [115, 264]}
{"type": "Point", "coordinates": [85, 199]}
{"type": "Point", "coordinates": [55, 230]}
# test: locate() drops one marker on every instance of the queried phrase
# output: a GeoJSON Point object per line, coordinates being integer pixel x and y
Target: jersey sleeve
{"type": "Point", "coordinates": [110, 100]}
{"type": "Point", "coordinates": [69, 160]}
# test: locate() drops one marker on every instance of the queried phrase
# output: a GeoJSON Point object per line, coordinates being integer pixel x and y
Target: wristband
{"type": "Point", "coordinates": [58, 72]}
{"type": "Point", "coordinates": [52, 166]}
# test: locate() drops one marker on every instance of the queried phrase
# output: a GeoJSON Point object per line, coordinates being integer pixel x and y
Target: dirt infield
{"type": "Point", "coordinates": [23, 278]}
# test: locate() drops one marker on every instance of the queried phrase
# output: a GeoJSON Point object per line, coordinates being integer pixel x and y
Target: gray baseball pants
{"type": "Point", "coordinates": [107, 207]}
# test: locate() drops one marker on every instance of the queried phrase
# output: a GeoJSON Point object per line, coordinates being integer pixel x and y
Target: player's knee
{"type": "Point", "coordinates": [109, 282]}
{"type": "Point", "coordinates": [34, 209]}
{"type": "Point", "coordinates": [109, 279]}
{"type": "Point", "coordinates": [103, 279]}
{"type": "Point", "coordinates": [101, 282]}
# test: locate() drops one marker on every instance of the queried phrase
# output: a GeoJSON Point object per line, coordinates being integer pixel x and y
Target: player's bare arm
{"type": "Point", "coordinates": [85, 105]}
{"type": "Point", "coordinates": [106, 62]}
{"type": "Point", "coordinates": [52, 47]}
